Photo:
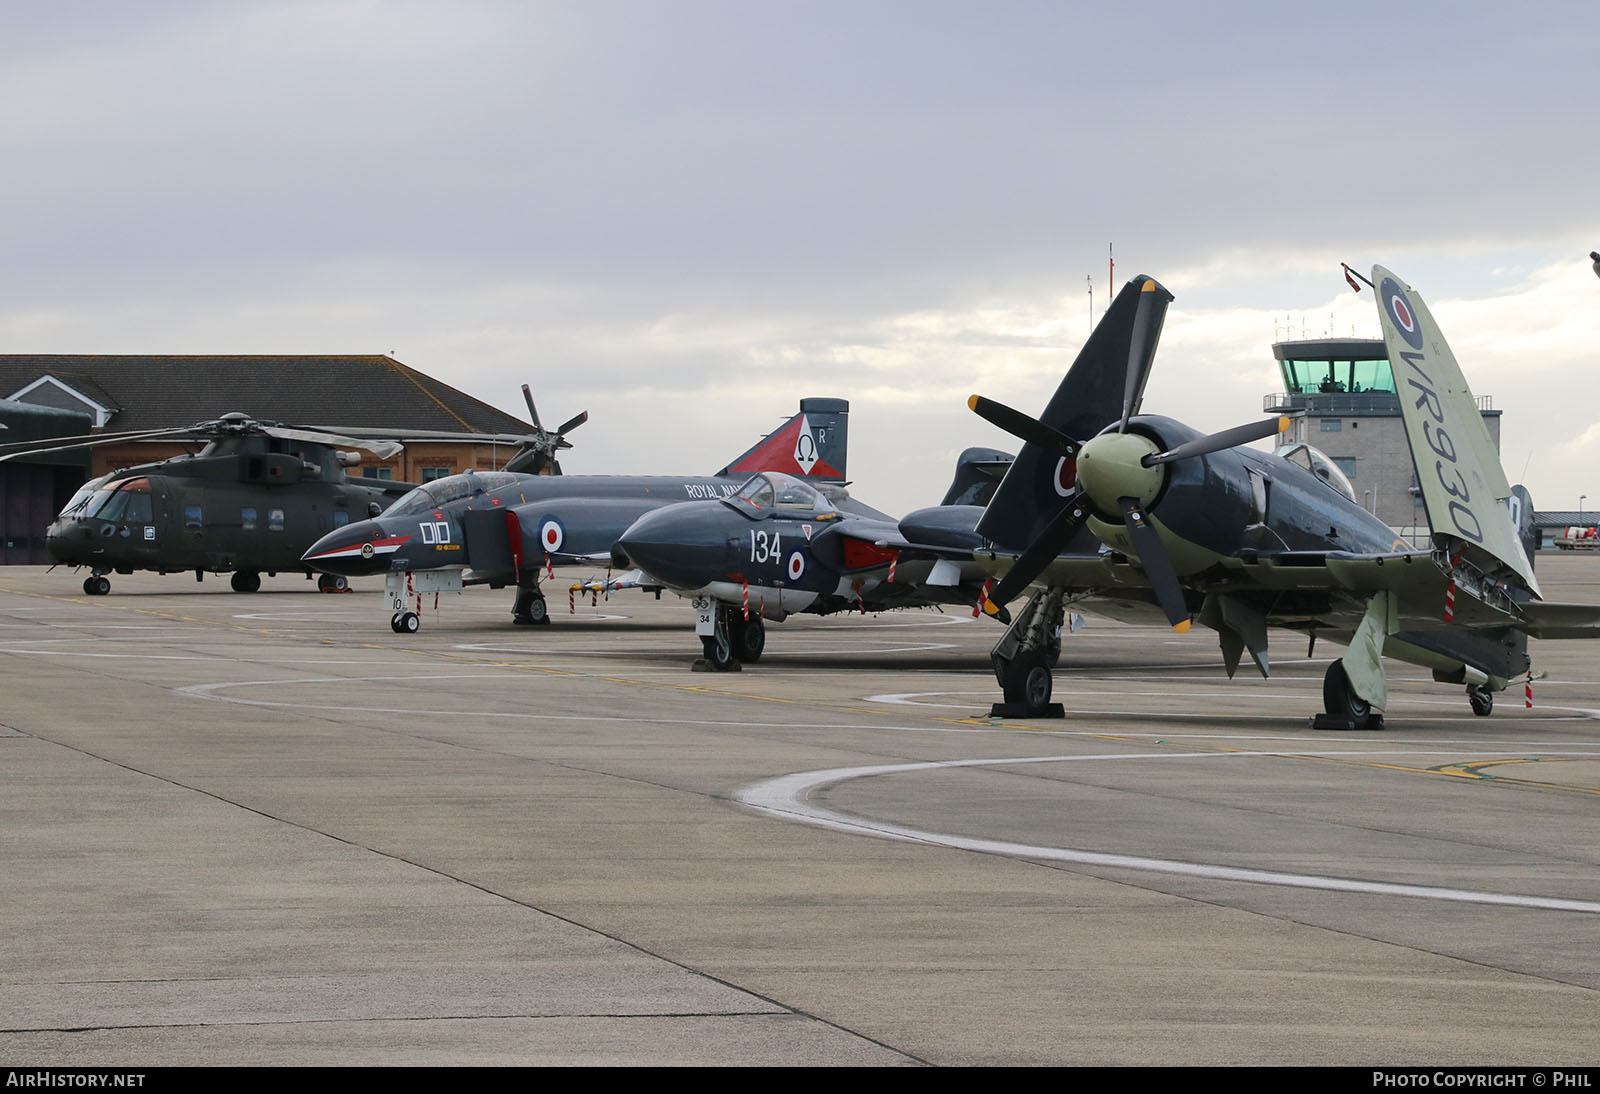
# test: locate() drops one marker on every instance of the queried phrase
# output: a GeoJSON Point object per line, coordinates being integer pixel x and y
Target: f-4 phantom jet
{"type": "Point", "coordinates": [498, 529]}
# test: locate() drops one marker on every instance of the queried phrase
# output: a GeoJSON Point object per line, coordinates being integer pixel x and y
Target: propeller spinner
{"type": "Point", "coordinates": [1117, 474]}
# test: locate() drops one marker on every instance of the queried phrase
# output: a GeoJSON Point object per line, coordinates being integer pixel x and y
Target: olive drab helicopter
{"type": "Point", "coordinates": [249, 502]}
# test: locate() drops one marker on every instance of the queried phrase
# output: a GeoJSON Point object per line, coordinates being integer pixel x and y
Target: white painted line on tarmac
{"type": "Point", "coordinates": [214, 693]}
{"type": "Point", "coordinates": [125, 656]}
{"type": "Point", "coordinates": [787, 797]}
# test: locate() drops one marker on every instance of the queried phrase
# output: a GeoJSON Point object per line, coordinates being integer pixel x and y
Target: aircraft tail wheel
{"type": "Point", "coordinates": [719, 652]}
{"type": "Point", "coordinates": [1341, 701]}
{"type": "Point", "coordinates": [245, 581]}
{"type": "Point", "coordinates": [1482, 700]}
{"type": "Point", "coordinates": [96, 586]}
{"type": "Point", "coordinates": [1028, 681]}
{"type": "Point", "coordinates": [749, 639]}
{"type": "Point", "coordinates": [407, 623]}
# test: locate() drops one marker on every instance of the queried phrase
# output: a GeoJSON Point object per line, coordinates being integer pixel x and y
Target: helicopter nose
{"type": "Point", "coordinates": [354, 550]}
{"type": "Point", "coordinates": [677, 545]}
{"type": "Point", "coordinates": [69, 541]}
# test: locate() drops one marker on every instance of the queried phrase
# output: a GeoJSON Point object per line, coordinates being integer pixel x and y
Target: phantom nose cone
{"type": "Point", "coordinates": [683, 546]}
{"type": "Point", "coordinates": [1109, 469]}
{"type": "Point", "coordinates": [354, 550]}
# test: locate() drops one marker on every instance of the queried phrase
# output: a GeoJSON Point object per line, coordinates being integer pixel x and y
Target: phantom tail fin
{"type": "Point", "coordinates": [978, 475]}
{"type": "Point", "coordinates": [1107, 379]}
{"type": "Point", "coordinates": [811, 445]}
{"type": "Point", "coordinates": [1464, 489]}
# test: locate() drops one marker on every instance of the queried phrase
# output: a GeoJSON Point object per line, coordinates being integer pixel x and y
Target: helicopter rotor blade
{"type": "Point", "coordinates": [1216, 442]}
{"type": "Point", "coordinates": [533, 411]}
{"type": "Point", "coordinates": [1031, 563]}
{"type": "Point", "coordinates": [90, 439]}
{"type": "Point", "coordinates": [571, 423]}
{"type": "Point", "coordinates": [1157, 564]}
{"type": "Point", "coordinates": [380, 448]}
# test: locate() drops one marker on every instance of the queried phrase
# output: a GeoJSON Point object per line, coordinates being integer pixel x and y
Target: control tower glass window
{"type": "Point", "coordinates": [1338, 377]}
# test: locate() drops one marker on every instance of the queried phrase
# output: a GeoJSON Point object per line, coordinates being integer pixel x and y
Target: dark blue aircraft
{"type": "Point", "coordinates": [498, 528]}
{"type": "Point", "coordinates": [1133, 512]}
{"type": "Point", "coordinates": [780, 546]}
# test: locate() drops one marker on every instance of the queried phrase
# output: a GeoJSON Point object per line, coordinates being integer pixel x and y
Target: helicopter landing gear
{"type": "Point", "coordinates": [405, 623]}
{"type": "Point", "coordinates": [246, 581]}
{"type": "Point", "coordinates": [1024, 656]}
{"type": "Point", "coordinates": [96, 585]}
{"type": "Point", "coordinates": [1481, 698]}
{"type": "Point", "coordinates": [333, 583]}
{"type": "Point", "coordinates": [530, 609]}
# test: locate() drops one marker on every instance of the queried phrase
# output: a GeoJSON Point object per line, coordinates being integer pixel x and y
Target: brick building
{"type": "Point", "coordinates": [123, 392]}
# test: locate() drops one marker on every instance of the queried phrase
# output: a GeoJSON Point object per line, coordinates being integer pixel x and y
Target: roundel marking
{"type": "Point", "coordinates": [1066, 476]}
{"type": "Point", "coordinates": [368, 550]}
{"type": "Point", "coordinates": [1400, 313]}
{"type": "Point", "coordinates": [551, 536]}
{"type": "Point", "coordinates": [797, 565]}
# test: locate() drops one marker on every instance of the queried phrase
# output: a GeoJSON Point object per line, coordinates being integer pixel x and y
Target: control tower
{"type": "Point", "coordinates": [1345, 391]}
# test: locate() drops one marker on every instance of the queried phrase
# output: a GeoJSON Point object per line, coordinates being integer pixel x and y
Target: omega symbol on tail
{"type": "Point", "coordinates": [805, 447]}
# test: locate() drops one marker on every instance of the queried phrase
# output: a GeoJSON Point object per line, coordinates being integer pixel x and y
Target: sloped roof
{"type": "Point", "coordinates": [366, 391]}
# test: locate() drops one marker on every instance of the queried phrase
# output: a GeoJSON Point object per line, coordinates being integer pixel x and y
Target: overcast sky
{"type": "Point", "coordinates": [683, 217]}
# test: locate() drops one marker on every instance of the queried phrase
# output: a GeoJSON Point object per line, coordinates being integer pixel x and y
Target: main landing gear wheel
{"type": "Point", "coordinates": [530, 609]}
{"type": "Point", "coordinates": [1342, 704]}
{"type": "Point", "coordinates": [748, 638]}
{"type": "Point", "coordinates": [1028, 682]}
{"type": "Point", "coordinates": [332, 583]}
{"type": "Point", "coordinates": [1482, 700]}
{"type": "Point", "coordinates": [405, 623]}
{"type": "Point", "coordinates": [96, 585]}
{"type": "Point", "coordinates": [245, 581]}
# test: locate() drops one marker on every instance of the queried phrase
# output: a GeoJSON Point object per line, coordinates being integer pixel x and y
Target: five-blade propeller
{"type": "Point", "coordinates": [1021, 425]}
{"type": "Point", "coordinates": [1146, 541]}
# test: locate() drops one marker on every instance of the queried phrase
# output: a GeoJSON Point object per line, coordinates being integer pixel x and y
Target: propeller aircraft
{"type": "Point", "coordinates": [779, 546]}
{"type": "Point", "coordinates": [502, 528]}
{"type": "Point", "coordinates": [1138, 514]}
{"type": "Point", "coordinates": [249, 502]}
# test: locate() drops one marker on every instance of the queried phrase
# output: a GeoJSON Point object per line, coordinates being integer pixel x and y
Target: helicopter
{"type": "Point", "coordinates": [249, 502]}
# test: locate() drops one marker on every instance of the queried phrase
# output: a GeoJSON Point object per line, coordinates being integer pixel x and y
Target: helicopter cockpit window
{"type": "Point", "coordinates": [1319, 465]}
{"type": "Point", "coordinates": [127, 501]}
{"type": "Point", "coordinates": [86, 493]}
